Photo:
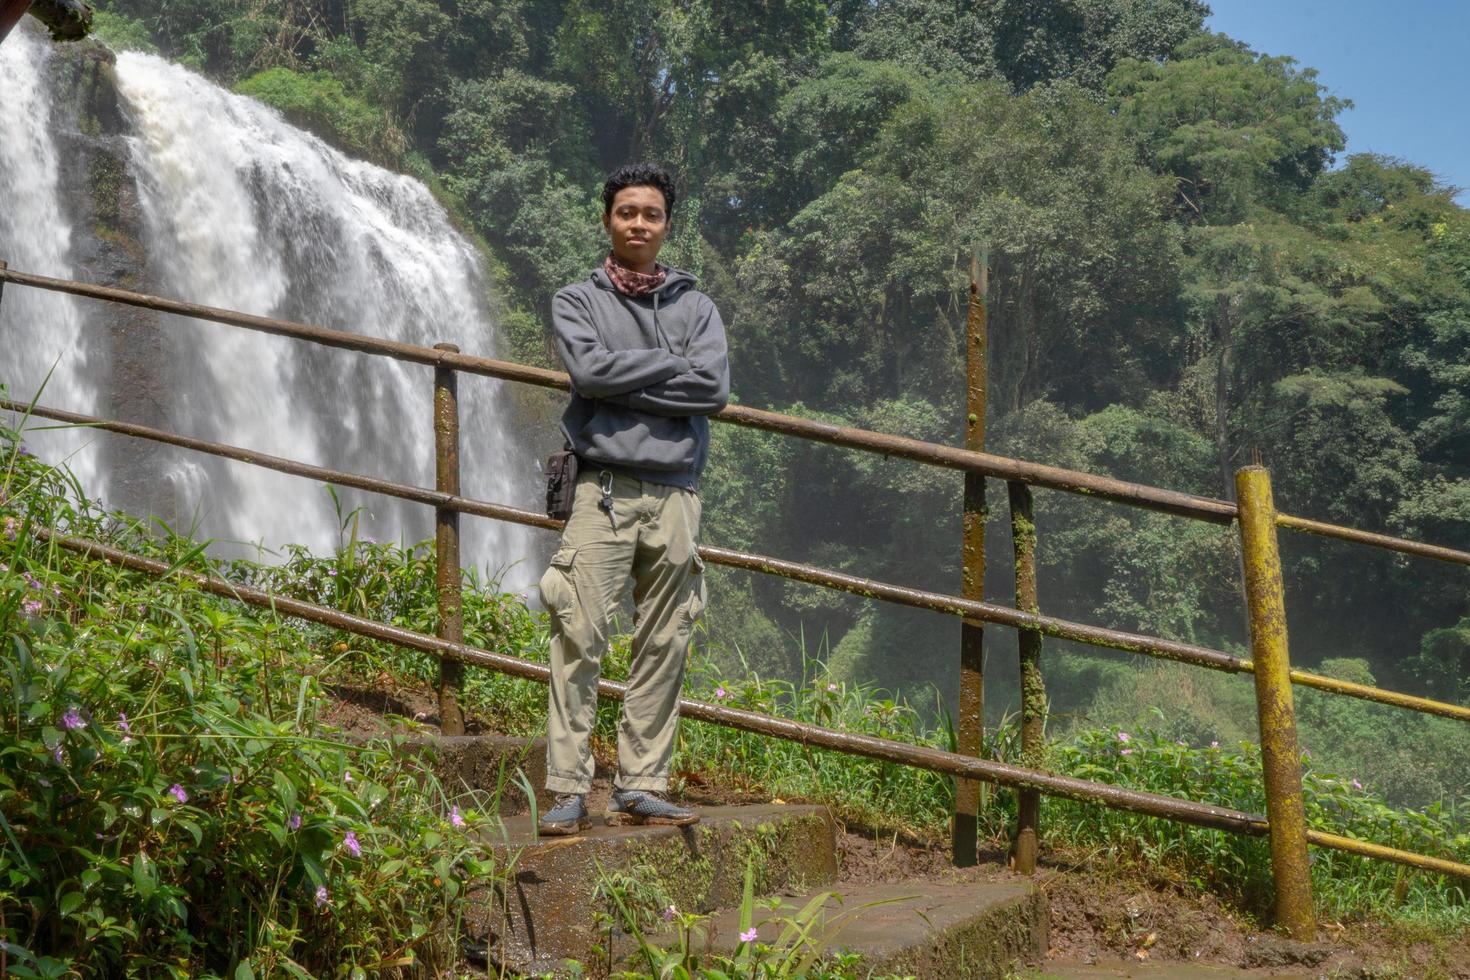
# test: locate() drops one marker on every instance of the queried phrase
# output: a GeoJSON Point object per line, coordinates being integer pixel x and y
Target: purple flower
{"type": "Point", "coordinates": [831, 688]}
{"type": "Point", "coordinates": [322, 896]}
{"type": "Point", "coordinates": [721, 694]}
{"type": "Point", "coordinates": [454, 817]}
{"type": "Point", "coordinates": [72, 720]}
{"type": "Point", "coordinates": [122, 723]}
{"type": "Point", "coordinates": [11, 529]}
{"type": "Point", "coordinates": [748, 936]}
{"type": "Point", "coordinates": [295, 822]}
{"type": "Point", "coordinates": [1124, 737]}
{"type": "Point", "coordinates": [347, 776]}
{"type": "Point", "coordinates": [1357, 785]}
{"type": "Point", "coordinates": [1126, 752]}
{"type": "Point", "coordinates": [332, 572]}
{"type": "Point", "coordinates": [31, 607]}
{"type": "Point", "coordinates": [669, 913]}
{"type": "Point", "coordinates": [350, 842]}
{"type": "Point", "coordinates": [57, 755]}
{"type": "Point", "coordinates": [177, 792]}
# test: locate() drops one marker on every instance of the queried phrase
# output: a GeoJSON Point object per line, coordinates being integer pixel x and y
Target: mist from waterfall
{"type": "Point", "coordinates": [244, 211]}
{"type": "Point", "coordinates": [41, 331]}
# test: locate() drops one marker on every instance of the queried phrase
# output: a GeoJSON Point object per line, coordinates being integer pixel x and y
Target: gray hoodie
{"type": "Point", "coordinates": [645, 373]}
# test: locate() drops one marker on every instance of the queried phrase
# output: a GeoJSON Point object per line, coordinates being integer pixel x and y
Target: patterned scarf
{"type": "Point", "coordinates": [631, 282]}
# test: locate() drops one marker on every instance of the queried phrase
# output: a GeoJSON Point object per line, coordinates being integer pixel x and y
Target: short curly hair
{"type": "Point", "coordinates": [639, 175]}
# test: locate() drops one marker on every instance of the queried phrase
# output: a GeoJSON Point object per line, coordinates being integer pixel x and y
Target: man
{"type": "Point", "coordinates": [646, 353]}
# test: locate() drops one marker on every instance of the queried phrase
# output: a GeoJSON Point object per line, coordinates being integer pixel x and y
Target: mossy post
{"type": "Point", "coordinates": [1033, 689]}
{"type": "Point", "coordinates": [971, 727]}
{"type": "Point", "coordinates": [1280, 757]}
{"type": "Point", "coordinates": [446, 542]}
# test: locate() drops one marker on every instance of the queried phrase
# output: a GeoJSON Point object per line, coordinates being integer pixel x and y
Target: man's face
{"type": "Point", "coordinates": [637, 226]}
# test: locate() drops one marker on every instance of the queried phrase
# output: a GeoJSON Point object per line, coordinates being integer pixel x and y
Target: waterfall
{"type": "Point", "coordinates": [244, 211]}
{"type": "Point", "coordinates": [40, 332]}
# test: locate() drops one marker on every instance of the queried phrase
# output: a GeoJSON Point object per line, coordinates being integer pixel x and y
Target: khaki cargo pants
{"type": "Point", "coordinates": [649, 536]}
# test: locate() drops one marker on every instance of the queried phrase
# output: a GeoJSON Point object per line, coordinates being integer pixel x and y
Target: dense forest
{"type": "Point", "coordinates": [1185, 271]}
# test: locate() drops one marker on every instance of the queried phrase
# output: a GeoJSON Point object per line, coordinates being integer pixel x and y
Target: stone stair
{"type": "Point", "coordinates": [551, 912]}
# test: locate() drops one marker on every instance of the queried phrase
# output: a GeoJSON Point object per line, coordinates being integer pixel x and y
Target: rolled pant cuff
{"type": "Point", "coordinates": [653, 784]}
{"type": "Point", "coordinates": [568, 784]}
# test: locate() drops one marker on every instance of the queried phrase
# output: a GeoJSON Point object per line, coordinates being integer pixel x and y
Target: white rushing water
{"type": "Point", "coordinates": [244, 211]}
{"type": "Point", "coordinates": [40, 331]}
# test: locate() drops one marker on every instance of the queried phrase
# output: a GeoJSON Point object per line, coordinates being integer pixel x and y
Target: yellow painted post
{"type": "Point", "coordinates": [1280, 757]}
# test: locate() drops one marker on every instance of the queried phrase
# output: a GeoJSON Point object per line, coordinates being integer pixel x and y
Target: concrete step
{"type": "Point", "coordinates": [467, 765]}
{"type": "Point", "coordinates": [974, 929]}
{"type": "Point", "coordinates": [551, 910]}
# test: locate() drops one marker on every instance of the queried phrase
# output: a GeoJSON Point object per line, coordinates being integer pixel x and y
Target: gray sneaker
{"type": "Point", "coordinates": [636, 806]}
{"type": "Point", "coordinates": [568, 816]}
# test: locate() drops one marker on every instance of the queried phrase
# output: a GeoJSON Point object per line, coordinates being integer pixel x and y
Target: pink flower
{"type": "Point", "coordinates": [454, 818]}
{"type": "Point", "coordinates": [332, 572]}
{"type": "Point", "coordinates": [721, 694]}
{"type": "Point", "coordinates": [350, 842]}
{"type": "Point", "coordinates": [11, 529]}
{"type": "Point", "coordinates": [1214, 745]}
{"type": "Point", "coordinates": [347, 777]}
{"type": "Point", "coordinates": [322, 896]}
{"type": "Point", "coordinates": [831, 688]}
{"type": "Point", "coordinates": [1357, 785]}
{"type": "Point", "coordinates": [72, 720]}
{"type": "Point", "coordinates": [1127, 752]}
{"type": "Point", "coordinates": [177, 792]}
{"type": "Point", "coordinates": [1124, 737]}
{"type": "Point", "coordinates": [748, 936]}
{"type": "Point", "coordinates": [31, 607]}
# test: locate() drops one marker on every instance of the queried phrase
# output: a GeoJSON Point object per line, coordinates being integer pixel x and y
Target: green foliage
{"type": "Point", "coordinates": [172, 804]}
{"type": "Point", "coordinates": [1232, 126]}
{"type": "Point", "coordinates": [121, 32]}
{"type": "Point", "coordinates": [319, 102]}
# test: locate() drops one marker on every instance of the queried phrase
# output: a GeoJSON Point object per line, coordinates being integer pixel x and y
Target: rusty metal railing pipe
{"type": "Point", "coordinates": [1402, 545]}
{"type": "Point", "coordinates": [1195, 506]}
{"type": "Point", "coordinates": [867, 746]}
{"type": "Point", "coordinates": [1169, 501]}
{"type": "Point", "coordinates": [870, 588]}
{"type": "Point", "coordinates": [887, 750]}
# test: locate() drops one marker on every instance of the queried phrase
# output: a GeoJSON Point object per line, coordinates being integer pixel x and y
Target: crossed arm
{"type": "Point", "coordinates": [656, 381]}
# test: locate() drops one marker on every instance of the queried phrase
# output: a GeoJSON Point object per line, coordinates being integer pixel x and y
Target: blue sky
{"type": "Point", "coordinates": [1405, 65]}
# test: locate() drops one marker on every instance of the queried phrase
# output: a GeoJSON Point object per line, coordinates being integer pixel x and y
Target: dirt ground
{"type": "Point", "coordinates": [1105, 916]}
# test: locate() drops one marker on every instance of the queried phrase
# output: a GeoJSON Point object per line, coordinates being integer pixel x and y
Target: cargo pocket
{"type": "Point", "coordinates": [694, 605]}
{"type": "Point", "coordinates": [558, 593]}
